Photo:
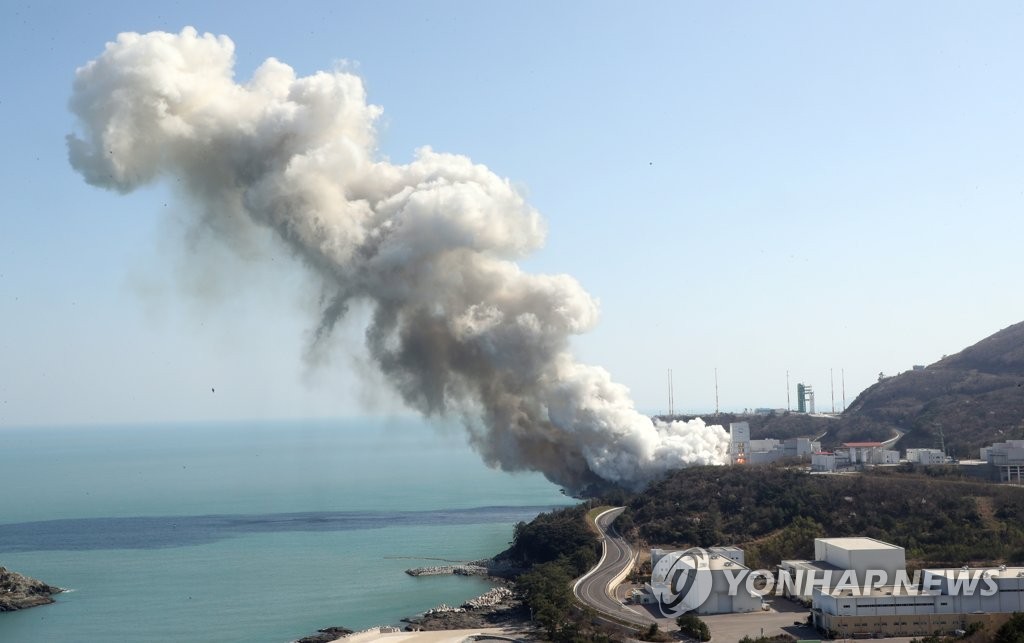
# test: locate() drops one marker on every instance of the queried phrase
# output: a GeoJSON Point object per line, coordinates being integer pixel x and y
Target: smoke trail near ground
{"type": "Point", "coordinates": [457, 327]}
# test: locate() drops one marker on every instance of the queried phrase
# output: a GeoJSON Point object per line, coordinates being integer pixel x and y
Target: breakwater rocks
{"type": "Point", "coordinates": [468, 569]}
{"type": "Point", "coordinates": [493, 597]}
{"type": "Point", "coordinates": [498, 606]}
{"type": "Point", "coordinates": [19, 592]}
{"type": "Point", "coordinates": [484, 567]}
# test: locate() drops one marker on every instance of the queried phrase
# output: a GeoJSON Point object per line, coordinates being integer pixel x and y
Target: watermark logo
{"type": "Point", "coordinates": [681, 581]}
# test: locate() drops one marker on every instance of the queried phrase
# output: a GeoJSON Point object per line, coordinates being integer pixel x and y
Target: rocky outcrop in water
{"type": "Point", "coordinates": [468, 569]}
{"type": "Point", "coordinates": [496, 607]}
{"type": "Point", "coordinates": [326, 635]}
{"type": "Point", "coordinates": [483, 567]}
{"type": "Point", "coordinates": [19, 592]}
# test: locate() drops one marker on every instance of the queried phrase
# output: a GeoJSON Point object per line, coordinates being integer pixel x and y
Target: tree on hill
{"type": "Point", "coordinates": [1012, 631]}
{"type": "Point", "coordinates": [776, 514]}
{"type": "Point", "coordinates": [691, 625]}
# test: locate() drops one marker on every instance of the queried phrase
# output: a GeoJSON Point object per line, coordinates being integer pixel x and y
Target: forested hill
{"type": "Point", "coordinates": [775, 513]}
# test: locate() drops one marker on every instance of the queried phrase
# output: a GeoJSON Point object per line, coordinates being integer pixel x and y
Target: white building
{"type": "Point", "coordinates": [823, 461]}
{"type": "Point", "coordinates": [980, 589]}
{"type": "Point", "coordinates": [806, 575]}
{"type": "Point", "coordinates": [867, 604]}
{"type": "Point", "coordinates": [800, 447]}
{"type": "Point", "coordinates": [926, 456]}
{"type": "Point", "coordinates": [860, 554]}
{"type": "Point", "coordinates": [726, 566]}
{"type": "Point", "coordinates": [735, 554]}
{"type": "Point", "coordinates": [739, 442]}
{"type": "Point", "coordinates": [1008, 458]}
{"type": "Point", "coordinates": [862, 452]}
{"type": "Point", "coordinates": [832, 558]}
{"type": "Point", "coordinates": [886, 600]}
{"type": "Point", "coordinates": [885, 456]}
{"type": "Point", "coordinates": [770, 450]}
{"type": "Point", "coordinates": [767, 444]}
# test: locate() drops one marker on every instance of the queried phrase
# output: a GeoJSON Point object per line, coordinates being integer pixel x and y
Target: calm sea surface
{"type": "Point", "coordinates": [246, 531]}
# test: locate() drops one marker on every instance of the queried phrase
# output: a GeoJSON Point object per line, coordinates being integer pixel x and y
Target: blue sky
{"type": "Point", "coordinates": [749, 187]}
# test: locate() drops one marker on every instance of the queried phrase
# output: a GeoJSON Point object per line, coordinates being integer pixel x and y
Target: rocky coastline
{"type": "Point", "coordinates": [326, 635]}
{"type": "Point", "coordinates": [496, 607]}
{"type": "Point", "coordinates": [21, 592]}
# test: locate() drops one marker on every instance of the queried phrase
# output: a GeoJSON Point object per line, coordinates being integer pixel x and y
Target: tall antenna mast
{"type": "Point", "coordinates": [787, 391]}
{"type": "Point", "coordinates": [671, 401]}
{"type": "Point", "coordinates": [832, 384]}
{"type": "Point", "coordinates": [842, 372]}
{"type": "Point", "coordinates": [716, 391]}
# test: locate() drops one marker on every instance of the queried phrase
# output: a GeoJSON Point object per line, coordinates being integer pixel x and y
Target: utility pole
{"type": "Point", "coordinates": [843, 373]}
{"type": "Point", "coordinates": [832, 386]}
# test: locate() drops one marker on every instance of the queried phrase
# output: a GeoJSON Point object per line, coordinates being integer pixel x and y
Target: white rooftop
{"type": "Point", "coordinates": [994, 572]}
{"type": "Point", "coordinates": [811, 565]}
{"type": "Point", "coordinates": [721, 562]}
{"type": "Point", "coordinates": [858, 543]}
{"type": "Point", "coordinates": [887, 590]}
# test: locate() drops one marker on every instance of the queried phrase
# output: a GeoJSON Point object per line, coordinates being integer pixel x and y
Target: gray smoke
{"type": "Point", "coordinates": [457, 327]}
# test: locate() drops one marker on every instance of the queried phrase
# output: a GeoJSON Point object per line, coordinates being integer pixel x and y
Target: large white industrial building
{"type": "Point", "coordinates": [833, 557]}
{"type": "Point", "coordinates": [861, 554]}
{"type": "Point", "coordinates": [1008, 458]}
{"type": "Point", "coordinates": [1005, 587]}
{"type": "Point", "coordinates": [853, 599]}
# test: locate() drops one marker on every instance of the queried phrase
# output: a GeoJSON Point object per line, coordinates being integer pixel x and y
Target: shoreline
{"type": "Point", "coordinates": [496, 613]}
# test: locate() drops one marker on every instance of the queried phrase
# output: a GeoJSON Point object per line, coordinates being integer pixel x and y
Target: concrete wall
{"type": "Point", "coordinates": [823, 462]}
{"type": "Point", "coordinates": [926, 456]}
{"type": "Point", "coordinates": [867, 626]}
{"type": "Point", "coordinates": [720, 602]}
{"type": "Point", "coordinates": [879, 605]}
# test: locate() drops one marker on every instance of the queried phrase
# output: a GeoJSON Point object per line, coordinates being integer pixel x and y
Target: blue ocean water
{"type": "Point", "coordinates": [246, 531]}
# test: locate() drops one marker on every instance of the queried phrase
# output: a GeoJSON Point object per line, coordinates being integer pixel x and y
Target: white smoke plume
{"type": "Point", "coordinates": [457, 327]}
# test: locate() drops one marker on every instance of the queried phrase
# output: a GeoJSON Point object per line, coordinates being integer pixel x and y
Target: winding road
{"type": "Point", "coordinates": [595, 588]}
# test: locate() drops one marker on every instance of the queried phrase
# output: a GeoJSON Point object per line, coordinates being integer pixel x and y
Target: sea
{"type": "Point", "coordinates": [247, 531]}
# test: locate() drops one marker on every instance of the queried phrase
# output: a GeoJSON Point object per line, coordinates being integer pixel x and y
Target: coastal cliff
{"type": "Point", "coordinates": [18, 591]}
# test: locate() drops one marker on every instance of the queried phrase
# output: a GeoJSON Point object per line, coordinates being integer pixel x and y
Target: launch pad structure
{"type": "Point", "coordinates": [804, 398]}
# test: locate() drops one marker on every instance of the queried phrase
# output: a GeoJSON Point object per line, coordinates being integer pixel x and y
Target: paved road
{"type": "Point", "coordinates": [888, 444]}
{"type": "Point", "coordinates": [593, 588]}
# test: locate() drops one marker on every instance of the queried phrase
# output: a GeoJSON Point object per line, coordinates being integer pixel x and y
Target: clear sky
{"type": "Point", "coordinates": [752, 187]}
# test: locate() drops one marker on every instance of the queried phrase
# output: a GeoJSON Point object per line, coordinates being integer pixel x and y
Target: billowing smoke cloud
{"type": "Point", "coordinates": [457, 327]}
